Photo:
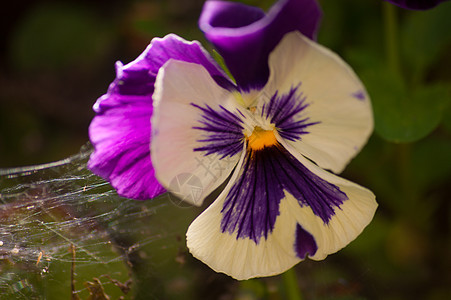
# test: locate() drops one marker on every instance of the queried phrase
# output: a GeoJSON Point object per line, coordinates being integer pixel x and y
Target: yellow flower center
{"type": "Point", "coordinates": [261, 138]}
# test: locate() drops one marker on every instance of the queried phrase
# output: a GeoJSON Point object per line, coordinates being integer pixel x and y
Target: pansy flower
{"type": "Point", "coordinates": [243, 35]}
{"type": "Point", "coordinates": [416, 4]}
{"type": "Point", "coordinates": [292, 111]}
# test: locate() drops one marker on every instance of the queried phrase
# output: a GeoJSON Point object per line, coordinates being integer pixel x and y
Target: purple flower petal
{"type": "Point", "coordinates": [416, 4]}
{"type": "Point", "coordinates": [120, 132]}
{"type": "Point", "coordinates": [245, 36]}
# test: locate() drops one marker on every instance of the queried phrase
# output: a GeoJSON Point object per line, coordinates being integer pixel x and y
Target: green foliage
{"type": "Point", "coordinates": [58, 36]}
{"type": "Point", "coordinates": [409, 99]}
{"type": "Point", "coordinates": [447, 118]}
{"type": "Point", "coordinates": [404, 114]}
{"type": "Point", "coordinates": [424, 39]}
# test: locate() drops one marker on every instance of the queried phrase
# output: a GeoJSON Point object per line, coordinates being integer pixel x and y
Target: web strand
{"type": "Point", "coordinates": [44, 209]}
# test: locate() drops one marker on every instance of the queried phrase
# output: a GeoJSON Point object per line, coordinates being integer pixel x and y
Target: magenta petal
{"type": "Point", "coordinates": [121, 138]}
{"type": "Point", "coordinates": [120, 131]}
{"type": "Point", "coordinates": [245, 36]}
{"type": "Point", "coordinates": [416, 4]}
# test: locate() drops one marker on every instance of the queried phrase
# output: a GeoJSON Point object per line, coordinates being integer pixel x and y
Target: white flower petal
{"type": "Point", "coordinates": [335, 96]}
{"type": "Point", "coordinates": [349, 220]}
{"type": "Point", "coordinates": [298, 231]}
{"type": "Point", "coordinates": [188, 173]}
{"type": "Point", "coordinates": [242, 258]}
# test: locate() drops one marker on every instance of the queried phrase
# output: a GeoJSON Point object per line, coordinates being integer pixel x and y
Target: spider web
{"type": "Point", "coordinates": [64, 231]}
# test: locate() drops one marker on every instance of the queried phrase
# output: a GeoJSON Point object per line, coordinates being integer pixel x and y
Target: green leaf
{"type": "Point", "coordinates": [220, 60]}
{"type": "Point", "coordinates": [425, 35]}
{"type": "Point", "coordinates": [431, 162]}
{"type": "Point", "coordinates": [404, 115]}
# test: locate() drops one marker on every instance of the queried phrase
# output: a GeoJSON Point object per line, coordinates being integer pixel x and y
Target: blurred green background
{"type": "Point", "coordinates": [57, 58]}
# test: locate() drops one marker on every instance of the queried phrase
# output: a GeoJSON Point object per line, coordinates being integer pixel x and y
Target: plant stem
{"type": "Point", "coordinates": [391, 37]}
{"type": "Point", "coordinates": [291, 285]}
{"type": "Point", "coordinates": [394, 64]}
